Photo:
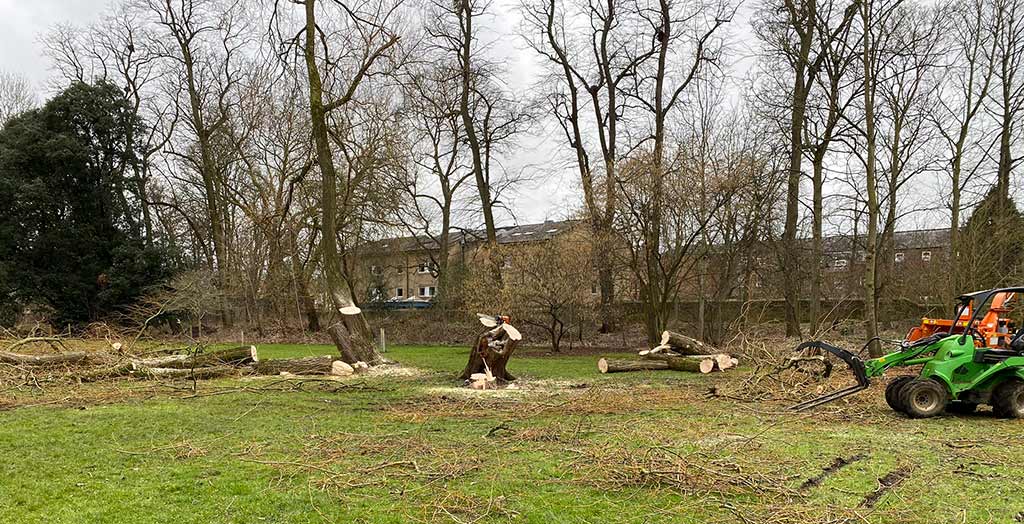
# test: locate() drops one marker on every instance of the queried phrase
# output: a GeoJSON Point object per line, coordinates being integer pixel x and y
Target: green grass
{"type": "Point", "coordinates": [572, 446]}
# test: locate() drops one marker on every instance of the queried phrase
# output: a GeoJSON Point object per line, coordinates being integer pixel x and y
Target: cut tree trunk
{"type": "Point", "coordinates": [685, 345]}
{"type": "Point", "coordinates": [353, 338]}
{"type": "Point", "coordinates": [20, 359]}
{"type": "Point", "coordinates": [615, 365]}
{"type": "Point", "coordinates": [491, 354]}
{"type": "Point", "coordinates": [198, 373]}
{"type": "Point", "coordinates": [238, 356]}
{"type": "Point", "coordinates": [656, 363]}
{"type": "Point", "coordinates": [120, 370]}
{"type": "Point", "coordinates": [298, 366]}
{"type": "Point", "coordinates": [693, 365]}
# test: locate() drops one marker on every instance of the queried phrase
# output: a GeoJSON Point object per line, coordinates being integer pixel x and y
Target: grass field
{"type": "Point", "coordinates": [570, 446]}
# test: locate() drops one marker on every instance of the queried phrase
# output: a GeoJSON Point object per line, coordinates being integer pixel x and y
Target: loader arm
{"type": "Point", "coordinates": [919, 352]}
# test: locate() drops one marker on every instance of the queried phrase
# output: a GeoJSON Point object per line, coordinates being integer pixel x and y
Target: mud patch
{"type": "Point", "coordinates": [837, 464]}
{"type": "Point", "coordinates": [885, 484]}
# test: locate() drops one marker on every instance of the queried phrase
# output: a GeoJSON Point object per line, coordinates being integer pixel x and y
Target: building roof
{"type": "Point", "coordinates": [912, 239]}
{"type": "Point", "coordinates": [506, 235]}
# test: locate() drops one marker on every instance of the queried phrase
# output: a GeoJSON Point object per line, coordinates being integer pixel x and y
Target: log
{"type": "Point", "coordinates": [297, 366]}
{"type": "Point", "coordinates": [685, 345]}
{"type": "Point", "coordinates": [656, 363]}
{"type": "Point", "coordinates": [167, 361]}
{"type": "Point", "coordinates": [197, 373]}
{"type": "Point", "coordinates": [120, 370]}
{"type": "Point", "coordinates": [238, 356]}
{"type": "Point", "coordinates": [682, 363]}
{"type": "Point", "coordinates": [20, 359]}
{"type": "Point", "coordinates": [614, 365]}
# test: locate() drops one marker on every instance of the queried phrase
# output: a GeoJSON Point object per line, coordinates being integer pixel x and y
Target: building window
{"type": "Point", "coordinates": [423, 268]}
{"type": "Point", "coordinates": [428, 291]}
{"type": "Point", "coordinates": [899, 258]}
{"type": "Point", "coordinates": [399, 292]}
{"type": "Point", "coordinates": [400, 270]}
{"type": "Point", "coordinates": [594, 289]}
{"type": "Point", "coordinates": [841, 263]}
{"type": "Point", "coordinates": [926, 256]}
{"type": "Point", "coordinates": [375, 270]}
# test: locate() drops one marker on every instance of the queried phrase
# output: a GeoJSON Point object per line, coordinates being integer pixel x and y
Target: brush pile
{"type": "Point", "coordinates": [676, 352]}
{"type": "Point", "coordinates": [27, 360]}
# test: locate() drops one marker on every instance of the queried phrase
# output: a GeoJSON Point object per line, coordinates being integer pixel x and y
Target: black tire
{"type": "Point", "coordinates": [961, 408]}
{"type": "Point", "coordinates": [1008, 399]}
{"type": "Point", "coordinates": [892, 393]}
{"type": "Point", "coordinates": [923, 398]}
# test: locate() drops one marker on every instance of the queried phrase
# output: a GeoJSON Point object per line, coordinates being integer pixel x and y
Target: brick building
{"type": "Point", "coordinates": [402, 272]}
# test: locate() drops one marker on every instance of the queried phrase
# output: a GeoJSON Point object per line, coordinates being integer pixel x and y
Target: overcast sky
{"type": "Point", "coordinates": [553, 191]}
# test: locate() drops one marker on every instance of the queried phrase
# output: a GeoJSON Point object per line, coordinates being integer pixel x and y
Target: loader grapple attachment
{"type": "Point", "coordinates": [851, 359]}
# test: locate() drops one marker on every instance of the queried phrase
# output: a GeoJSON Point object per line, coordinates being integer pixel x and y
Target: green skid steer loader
{"type": "Point", "coordinates": [962, 368]}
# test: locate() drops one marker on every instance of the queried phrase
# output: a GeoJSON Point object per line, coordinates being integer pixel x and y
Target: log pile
{"type": "Point", "coordinates": [676, 352]}
{"type": "Point", "coordinates": [242, 360]}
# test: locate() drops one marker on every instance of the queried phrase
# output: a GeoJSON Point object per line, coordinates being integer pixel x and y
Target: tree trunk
{"type": "Point", "coordinates": [198, 373]}
{"type": "Point", "coordinates": [299, 366]}
{"type": "Point", "coordinates": [491, 354]}
{"type": "Point", "coordinates": [655, 363]}
{"type": "Point", "coordinates": [817, 248]}
{"type": "Point", "coordinates": [238, 356]}
{"type": "Point", "coordinates": [685, 345]}
{"type": "Point", "coordinates": [19, 359]}
{"type": "Point", "coordinates": [466, 72]}
{"type": "Point", "coordinates": [871, 248]}
{"type": "Point", "coordinates": [357, 346]}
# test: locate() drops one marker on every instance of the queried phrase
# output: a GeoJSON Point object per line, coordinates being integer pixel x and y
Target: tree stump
{"type": "Point", "coordinates": [351, 335]}
{"type": "Point", "coordinates": [492, 352]}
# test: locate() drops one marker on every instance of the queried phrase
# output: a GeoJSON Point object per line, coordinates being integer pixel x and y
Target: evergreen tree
{"type": "Point", "coordinates": [69, 237]}
{"type": "Point", "coordinates": [991, 244]}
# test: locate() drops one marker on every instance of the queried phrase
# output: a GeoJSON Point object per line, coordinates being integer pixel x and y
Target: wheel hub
{"type": "Point", "coordinates": [925, 400]}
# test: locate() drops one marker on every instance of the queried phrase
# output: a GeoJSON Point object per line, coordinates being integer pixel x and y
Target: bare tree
{"type": "Point", "coordinates": [440, 169]}
{"type": "Point", "coordinates": [119, 49]}
{"type": "Point", "coordinates": [1008, 98]}
{"type": "Point", "coordinates": [16, 96]}
{"type": "Point", "coordinates": [907, 87]}
{"type": "Point", "coordinates": [490, 115]}
{"type": "Point", "coordinates": [832, 94]}
{"type": "Point", "coordinates": [967, 79]}
{"type": "Point", "coordinates": [201, 43]}
{"type": "Point", "coordinates": [366, 43]}
{"type": "Point", "coordinates": [592, 65]}
{"type": "Point", "coordinates": [687, 47]}
{"type": "Point", "coordinates": [798, 39]}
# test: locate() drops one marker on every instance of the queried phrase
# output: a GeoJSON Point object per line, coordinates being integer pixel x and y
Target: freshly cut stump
{"type": "Point", "coordinates": [492, 352]}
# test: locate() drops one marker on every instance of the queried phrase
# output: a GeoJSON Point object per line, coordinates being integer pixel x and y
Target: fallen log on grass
{"type": "Point", "coordinates": [20, 359]}
{"type": "Point", "coordinates": [197, 373]}
{"type": "Point", "coordinates": [608, 365]}
{"type": "Point", "coordinates": [120, 370]}
{"type": "Point", "coordinates": [684, 345]}
{"type": "Point", "coordinates": [325, 365]}
{"type": "Point", "coordinates": [239, 356]}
